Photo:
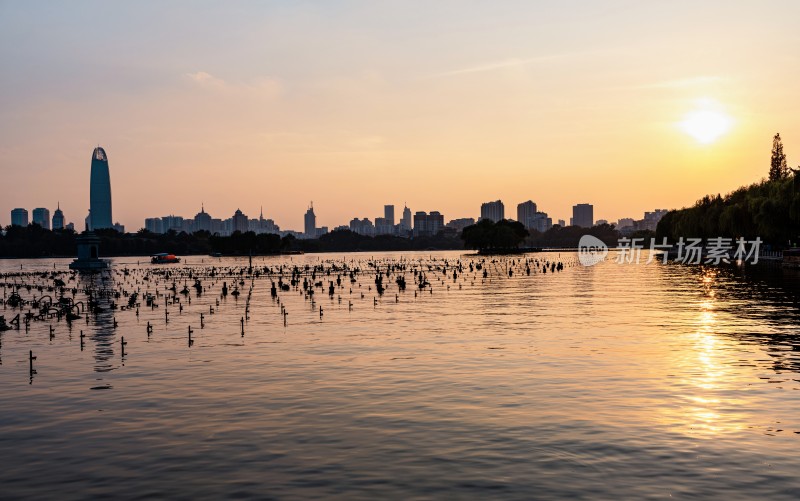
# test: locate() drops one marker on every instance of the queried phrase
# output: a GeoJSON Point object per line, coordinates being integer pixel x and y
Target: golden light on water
{"type": "Point", "coordinates": [708, 408]}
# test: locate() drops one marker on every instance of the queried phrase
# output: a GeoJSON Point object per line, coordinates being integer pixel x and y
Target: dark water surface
{"type": "Point", "coordinates": [615, 381]}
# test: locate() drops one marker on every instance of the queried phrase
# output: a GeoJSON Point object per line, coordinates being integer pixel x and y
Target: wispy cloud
{"type": "Point", "coordinates": [684, 83]}
{"type": "Point", "coordinates": [499, 65]}
{"type": "Point", "coordinates": [206, 79]}
{"type": "Point", "coordinates": [268, 87]}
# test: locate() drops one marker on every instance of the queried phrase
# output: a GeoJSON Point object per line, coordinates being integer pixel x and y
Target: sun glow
{"type": "Point", "coordinates": [706, 124]}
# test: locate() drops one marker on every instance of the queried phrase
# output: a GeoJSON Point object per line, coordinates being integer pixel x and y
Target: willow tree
{"type": "Point", "coordinates": [777, 167]}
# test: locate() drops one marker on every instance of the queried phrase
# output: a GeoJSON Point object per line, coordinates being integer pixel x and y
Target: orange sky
{"type": "Point", "coordinates": [359, 104]}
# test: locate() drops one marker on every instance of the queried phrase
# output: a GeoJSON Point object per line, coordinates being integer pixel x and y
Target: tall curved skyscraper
{"type": "Point", "coordinates": [100, 191]}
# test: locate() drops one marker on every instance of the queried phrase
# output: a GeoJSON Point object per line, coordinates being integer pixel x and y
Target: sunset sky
{"type": "Point", "coordinates": [443, 105]}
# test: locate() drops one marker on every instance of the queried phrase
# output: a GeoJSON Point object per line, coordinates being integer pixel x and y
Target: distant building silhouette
{"type": "Point", "coordinates": [583, 215]}
{"type": "Point", "coordinates": [385, 225]}
{"type": "Point", "coordinates": [172, 223]}
{"type": "Point", "coordinates": [362, 227]}
{"type": "Point", "coordinates": [58, 218]}
{"type": "Point", "coordinates": [154, 225]}
{"type": "Point", "coordinates": [202, 220]}
{"type": "Point", "coordinates": [239, 222]}
{"type": "Point", "coordinates": [19, 217]}
{"type": "Point", "coordinates": [540, 222]}
{"type": "Point", "coordinates": [41, 216]}
{"type": "Point", "coordinates": [493, 211]}
{"type": "Point", "coordinates": [460, 224]}
{"type": "Point", "coordinates": [310, 220]}
{"type": "Point", "coordinates": [427, 224]}
{"type": "Point", "coordinates": [526, 212]}
{"type": "Point", "coordinates": [217, 226]}
{"type": "Point", "coordinates": [649, 222]}
{"type": "Point", "coordinates": [100, 192]}
{"type": "Point", "coordinates": [651, 219]}
{"type": "Point", "coordinates": [406, 223]}
{"type": "Point", "coordinates": [625, 222]}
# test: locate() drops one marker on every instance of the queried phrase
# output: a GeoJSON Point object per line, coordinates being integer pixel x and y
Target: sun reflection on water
{"type": "Point", "coordinates": [708, 408]}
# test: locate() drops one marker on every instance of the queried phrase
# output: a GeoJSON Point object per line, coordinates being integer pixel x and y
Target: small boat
{"type": "Point", "coordinates": [164, 258]}
{"type": "Point", "coordinates": [216, 254]}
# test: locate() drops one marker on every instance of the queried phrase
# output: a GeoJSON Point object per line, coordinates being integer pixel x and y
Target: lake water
{"type": "Point", "coordinates": [604, 382]}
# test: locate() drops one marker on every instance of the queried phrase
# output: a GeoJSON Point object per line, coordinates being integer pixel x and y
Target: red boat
{"type": "Point", "coordinates": [165, 258]}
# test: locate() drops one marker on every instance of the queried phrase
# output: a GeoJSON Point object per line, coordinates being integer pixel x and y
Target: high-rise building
{"type": "Point", "coordinates": [526, 212]}
{"type": "Point", "coordinates": [540, 222]}
{"type": "Point", "coordinates": [435, 222]}
{"type": "Point", "coordinates": [58, 218]}
{"type": "Point", "coordinates": [583, 215]}
{"type": "Point", "coordinates": [493, 211]}
{"type": "Point", "coordinates": [41, 216]}
{"type": "Point", "coordinates": [269, 226]}
{"type": "Point", "coordinates": [239, 222]}
{"type": "Point", "coordinates": [19, 217]}
{"type": "Point", "coordinates": [428, 224]}
{"type": "Point", "coordinates": [388, 214]}
{"type": "Point", "coordinates": [154, 225]}
{"type": "Point", "coordinates": [310, 220]}
{"type": "Point", "coordinates": [172, 223]}
{"type": "Point", "coordinates": [651, 219]}
{"type": "Point", "coordinates": [460, 224]}
{"type": "Point", "coordinates": [362, 226]}
{"type": "Point", "coordinates": [383, 226]}
{"type": "Point", "coordinates": [217, 226]}
{"type": "Point", "coordinates": [100, 192]}
{"type": "Point", "coordinates": [406, 223]}
{"type": "Point", "coordinates": [420, 223]}
{"type": "Point", "coordinates": [625, 222]}
{"type": "Point", "coordinates": [202, 220]}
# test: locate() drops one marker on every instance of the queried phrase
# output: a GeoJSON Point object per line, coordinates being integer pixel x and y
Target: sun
{"type": "Point", "coordinates": [706, 125]}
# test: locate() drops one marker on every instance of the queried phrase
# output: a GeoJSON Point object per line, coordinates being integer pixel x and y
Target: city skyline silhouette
{"type": "Point", "coordinates": [628, 107]}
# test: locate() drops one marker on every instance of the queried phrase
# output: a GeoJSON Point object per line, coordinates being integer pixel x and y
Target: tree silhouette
{"type": "Point", "coordinates": [487, 234]}
{"type": "Point", "coordinates": [777, 167]}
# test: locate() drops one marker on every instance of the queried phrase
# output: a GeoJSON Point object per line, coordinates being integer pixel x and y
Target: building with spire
{"type": "Point", "coordinates": [202, 220]}
{"type": "Point", "coordinates": [239, 222]}
{"type": "Point", "coordinates": [406, 222]}
{"type": "Point", "coordinates": [58, 218]}
{"type": "Point", "coordinates": [310, 219]}
{"type": "Point", "coordinates": [100, 192]}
